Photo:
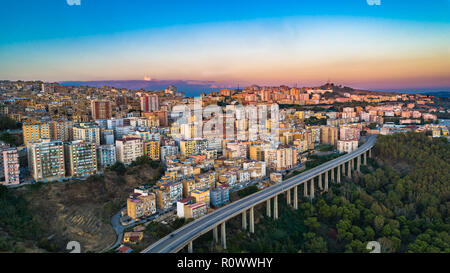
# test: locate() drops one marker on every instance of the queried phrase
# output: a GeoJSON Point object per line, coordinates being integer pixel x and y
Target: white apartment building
{"type": "Point", "coordinates": [129, 149]}
{"type": "Point", "coordinates": [89, 132]}
{"type": "Point", "coordinates": [347, 146]}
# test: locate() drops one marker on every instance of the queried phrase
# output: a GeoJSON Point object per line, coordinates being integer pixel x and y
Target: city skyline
{"type": "Point", "coordinates": [230, 43]}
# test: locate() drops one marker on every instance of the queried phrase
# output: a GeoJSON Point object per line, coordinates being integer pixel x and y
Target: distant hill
{"type": "Point", "coordinates": [440, 94]}
{"type": "Point", "coordinates": [190, 88]}
{"type": "Point", "coordinates": [339, 89]}
{"type": "Point", "coordinates": [195, 88]}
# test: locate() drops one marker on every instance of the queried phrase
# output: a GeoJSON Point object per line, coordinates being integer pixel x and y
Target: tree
{"type": "Point", "coordinates": [119, 168]}
{"type": "Point", "coordinates": [372, 125]}
{"type": "Point", "coordinates": [312, 224]}
{"type": "Point", "coordinates": [314, 244]}
{"type": "Point", "coordinates": [378, 222]}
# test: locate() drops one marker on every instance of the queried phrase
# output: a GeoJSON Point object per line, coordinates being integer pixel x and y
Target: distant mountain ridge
{"type": "Point", "coordinates": [440, 94]}
{"type": "Point", "coordinates": [195, 88]}
{"type": "Point", "coordinates": [191, 88]}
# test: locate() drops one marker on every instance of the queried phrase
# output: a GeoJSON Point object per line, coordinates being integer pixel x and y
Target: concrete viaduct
{"type": "Point", "coordinates": [311, 181]}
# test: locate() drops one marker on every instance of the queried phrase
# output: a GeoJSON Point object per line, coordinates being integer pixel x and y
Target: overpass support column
{"type": "Point", "coordinates": [305, 189]}
{"type": "Point", "coordinates": [244, 220]}
{"type": "Point", "coordinates": [268, 208]}
{"type": "Point", "coordinates": [190, 247]}
{"type": "Point", "coordinates": [224, 236]}
{"type": "Point", "coordinates": [288, 196]}
{"type": "Point", "coordinates": [365, 158]}
{"type": "Point", "coordinates": [252, 220]}
{"type": "Point", "coordinates": [353, 166]}
{"type": "Point", "coordinates": [326, 181]}
{"type": "Point", "coordinates": [320, 182]}
{"type": "Point", "coordinates": [349, 169]}
{"type": "Point", "coordinates": [339, 174]}
{"type": "Point", "coordinates": [295, 197]}
{"type": "Point", "coordinates": [215, 235]}
{"type": "Point", "coordinates": [311, 189]}
{"type": "Point", "coordinates": [358, 164]}
{"type": "Point", "coordinates": [275, 207]}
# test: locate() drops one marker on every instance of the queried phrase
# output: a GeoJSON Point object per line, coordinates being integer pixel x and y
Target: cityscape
{"type": "Point", "coordinates": [232, 143]}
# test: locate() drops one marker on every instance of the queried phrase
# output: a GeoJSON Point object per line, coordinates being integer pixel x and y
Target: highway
{"type": "Point", "coordinates": [175, 241]}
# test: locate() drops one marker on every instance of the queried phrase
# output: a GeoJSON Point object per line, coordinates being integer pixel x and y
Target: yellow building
{"type": "Point", "coordinates": [256, 153]}
{"type": "Point", "coordinates": [188, 186]}
{"type": "Point", "coordinates": [35, 131]}
{"type": "Point", "coordinates": [195, 210]}
{"type": "Point", "coordinates": [133, 237]}
{"type": "Point", "coordinates": [329, 135]}
{"type": "Point", "coordinates": [300, 115]}
{"type": "Point", "coordinates": [201, 196]}
{"type": "Point", "coordinates": [207, 179]}
{"type": "Point", "coordinates": [141, 205]}
{"type": "Point", "coordinates": [153, 121]}
{"type": "Point", "coordinates": [171, 175]}
{"type": "Point", "coordinates": [197, 170]}
{"type": "Point", "coordinates": [188, 147]}
{"type": "Point", "coordinates": [191, 185]}
{"type": "Point", "coordinates": [151, 149]}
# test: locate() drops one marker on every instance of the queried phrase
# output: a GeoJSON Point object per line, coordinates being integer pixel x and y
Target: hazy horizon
{"type": "Point", "coordinates": [197, 87]}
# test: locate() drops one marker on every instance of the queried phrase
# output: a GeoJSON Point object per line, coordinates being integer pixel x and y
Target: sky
{"type": "Point", "coordinates": [397, 44]}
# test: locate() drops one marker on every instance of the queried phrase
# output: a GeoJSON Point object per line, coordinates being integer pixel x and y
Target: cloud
{"type": "Point", "coordinates": [73, 2]}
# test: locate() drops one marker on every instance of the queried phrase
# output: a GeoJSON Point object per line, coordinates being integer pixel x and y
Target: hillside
{"type": "Point", "coordinates": [70, 211]}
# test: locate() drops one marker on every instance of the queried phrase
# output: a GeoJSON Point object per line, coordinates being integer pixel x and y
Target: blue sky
{"type": "Point", "coordinates": [28, 20]}
{"type": "Point", "coordinates": [219, 40]}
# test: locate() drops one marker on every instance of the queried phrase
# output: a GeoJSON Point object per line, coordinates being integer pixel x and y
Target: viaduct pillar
{"type": "Point", "coordinates": [295, 197]}
{"type": "Point", "coordinates": [224, 236]}
{"type": "Point", "coordinates": [190, 247]}
{"type": "Point", "coordinates": [252, 220]}
{"type": "Point", "coordinates": [215, 235]}
{"type": "Point", "coordinates": [288, 196]}
{"type": "Point", "coordinates": [305, 189]}
{"type": "Point", "coordinates": [349, 169]}
{"type": "Point", "coordinates": [275, 207]}
{"type": "Point", "coordinates": [320, 182]}
{"type": "Point", "coordinates": [339, 174]}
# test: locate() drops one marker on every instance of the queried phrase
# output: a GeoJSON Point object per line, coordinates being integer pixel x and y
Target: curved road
{"type": "Point", "coordinates": [181, 237]}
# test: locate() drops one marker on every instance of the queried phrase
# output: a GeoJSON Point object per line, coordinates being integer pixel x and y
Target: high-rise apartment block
{"type": "Point", "coordinates": [35, 131]}
{"type": "Point", "coordinates": [149, 103]}
{"type": "Point", "coordinates": [81, 158]}
{"type": "Point", "coordinates": [106, 155]}
{"type": "Point", "coordinates": [89, 132]}
{"type": "Point", "coordinates": [101, 109]}
{"type": "Point", "coordinates": [46, 160]}
{"type": "Point", "coordinates": [128, 149]}
{"type": "Point", "coordinates": [10, 166]}
{"type": "Point", "coordinates": [61, 130]}
{"type": "Point", "coordinates": [151, 149]}
{"type": "Point", "coordinates": [329, 135]}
